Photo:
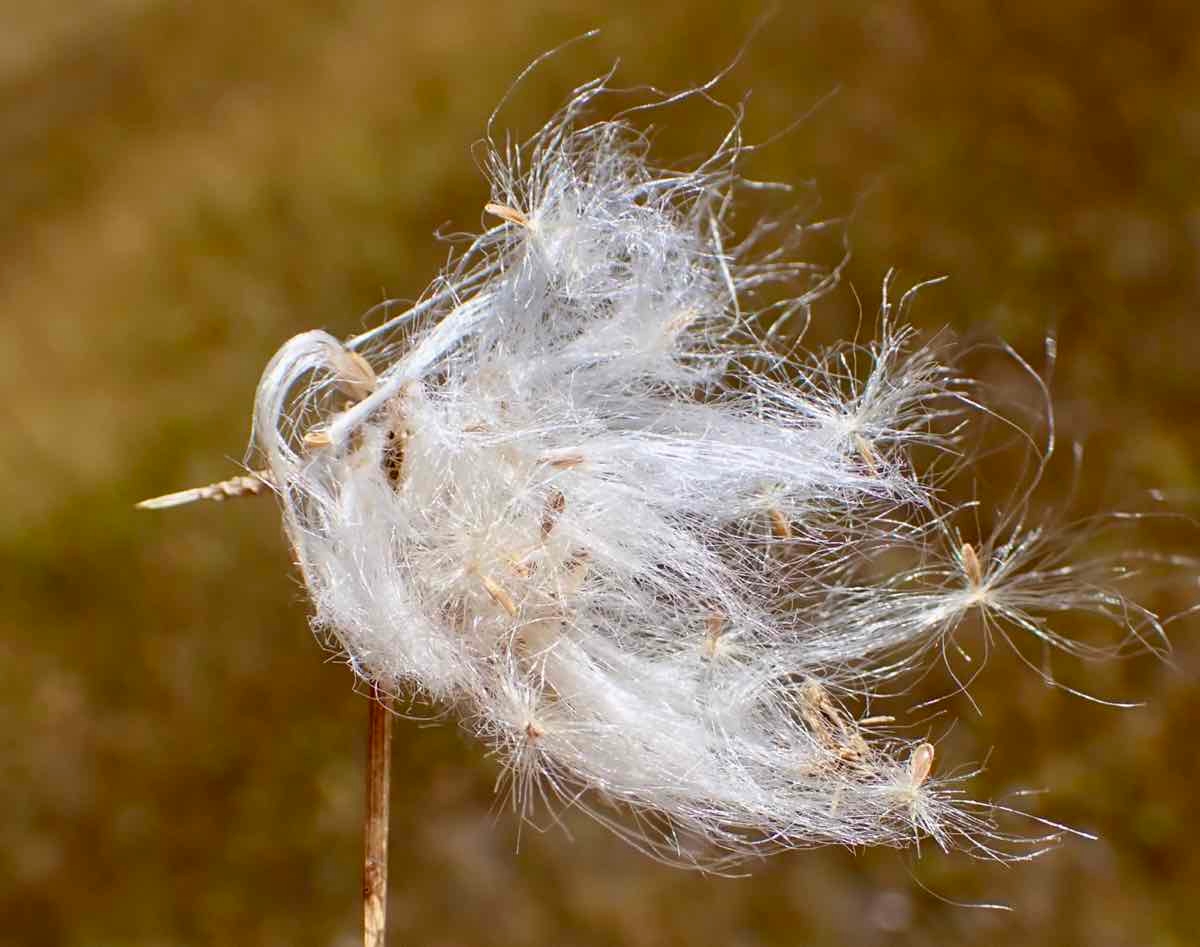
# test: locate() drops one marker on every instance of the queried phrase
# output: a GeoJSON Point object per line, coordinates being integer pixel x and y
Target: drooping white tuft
{"type": "Point", "coordinates": [643, 553]}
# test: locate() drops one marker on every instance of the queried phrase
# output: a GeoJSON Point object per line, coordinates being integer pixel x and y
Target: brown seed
{"type": "Point", "coordinates": [396, 441]}
{"type": "Point", "coordinates": [317, 438]}
{"type": "Point", "coordinates": [781, 526]}
{"type": "Point", "coordinates": [822, 716]}
{"type": "Point", "coordinates": [511, 214]}
{"type": "Point", "coordinates": [499, 595]}
{"type": "Point", "coordinates": [971, 566]}
{"type": "Point", "coordinates": [555, 504]}
{"type": "Point", "coordinates": [920, 765]}
{"type": "Point", "coordinates": [566, 462]}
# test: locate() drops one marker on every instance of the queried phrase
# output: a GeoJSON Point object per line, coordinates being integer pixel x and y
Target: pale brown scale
{"type": "Point", "coordinates": [317, 438]}
{"type": "Point", "coordinates": [555, 504]}
{"type": "Point", "coordinates": [511, 214]}
{"type": "Point", "coordinates": [355, 377]}
{"type": "Point", "coordinates": [533, 731]}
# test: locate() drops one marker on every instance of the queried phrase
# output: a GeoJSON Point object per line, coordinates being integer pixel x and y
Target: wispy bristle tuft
{"type": "Point", "coordinates": [584, 498]}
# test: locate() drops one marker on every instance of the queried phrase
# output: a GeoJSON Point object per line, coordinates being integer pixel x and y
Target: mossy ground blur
{"type": "Point", "coordinates": [184, 185]}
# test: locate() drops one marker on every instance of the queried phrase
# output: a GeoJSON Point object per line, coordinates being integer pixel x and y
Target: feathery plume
{"type": "Point", "coordinates": [580, 494]}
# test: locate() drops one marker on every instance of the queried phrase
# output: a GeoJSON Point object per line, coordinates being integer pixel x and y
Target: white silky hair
{"type": "Point", "coordinates": [582, 496]}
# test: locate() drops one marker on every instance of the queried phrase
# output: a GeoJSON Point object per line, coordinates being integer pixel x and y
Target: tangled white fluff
{"type": "Point", "coordinates": [579, 494]}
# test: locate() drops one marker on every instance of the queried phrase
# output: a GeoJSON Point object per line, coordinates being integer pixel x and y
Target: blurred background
{"type": "Point", "coordinates": [184, 185]}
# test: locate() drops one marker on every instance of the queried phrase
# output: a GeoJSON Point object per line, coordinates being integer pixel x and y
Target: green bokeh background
{"type": "Point", "coordinates": [184, 185]}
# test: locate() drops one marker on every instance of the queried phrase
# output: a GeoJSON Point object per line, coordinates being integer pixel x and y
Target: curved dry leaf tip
{"type": "Point", "coordinates": [555, 504]}
{"type": "Point", "coordinates": [563, 462]}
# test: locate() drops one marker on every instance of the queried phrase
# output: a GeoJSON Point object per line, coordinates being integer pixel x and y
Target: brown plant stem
{"type": "Point", "coordinates": [375, 823]}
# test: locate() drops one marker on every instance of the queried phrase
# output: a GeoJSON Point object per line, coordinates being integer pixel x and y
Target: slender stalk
{"type": "Point", "coordinates": [375, 824]}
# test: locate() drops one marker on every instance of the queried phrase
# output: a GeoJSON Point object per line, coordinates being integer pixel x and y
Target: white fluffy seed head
{"type": "Point", "coordinates": [577, 494]}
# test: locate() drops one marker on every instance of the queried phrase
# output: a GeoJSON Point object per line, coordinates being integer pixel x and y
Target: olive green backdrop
{"type": "Point", "coordinates": [184, 185]}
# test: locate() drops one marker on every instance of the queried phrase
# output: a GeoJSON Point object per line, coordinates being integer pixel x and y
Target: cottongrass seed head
{"type": "Point", "coordinates": [585, 495]}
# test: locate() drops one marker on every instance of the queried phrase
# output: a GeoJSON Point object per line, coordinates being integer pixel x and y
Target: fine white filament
{"type": "Point", "coordinates": [582, 495]}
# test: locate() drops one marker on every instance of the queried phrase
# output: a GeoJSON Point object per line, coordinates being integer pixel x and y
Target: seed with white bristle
{"type": "Point", "coordinates": [499, 595]}
{"type": "Point", "coordinates": [511, 214]}
{"type": "Point", "coordinates": [920, 765]}
{"type": "Point", "coordinates": [971, 566]}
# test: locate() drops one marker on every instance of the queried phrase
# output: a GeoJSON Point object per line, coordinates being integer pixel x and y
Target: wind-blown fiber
{"type": "Point", "coordinates": [582, 494]}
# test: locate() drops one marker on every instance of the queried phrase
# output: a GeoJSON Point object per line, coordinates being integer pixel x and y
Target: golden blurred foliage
{"type": "Point", "coordinates": [184, 185]}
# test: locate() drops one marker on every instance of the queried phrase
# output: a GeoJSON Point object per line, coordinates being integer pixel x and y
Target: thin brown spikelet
{"type": "Point", "coordinates": [251, 484]}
